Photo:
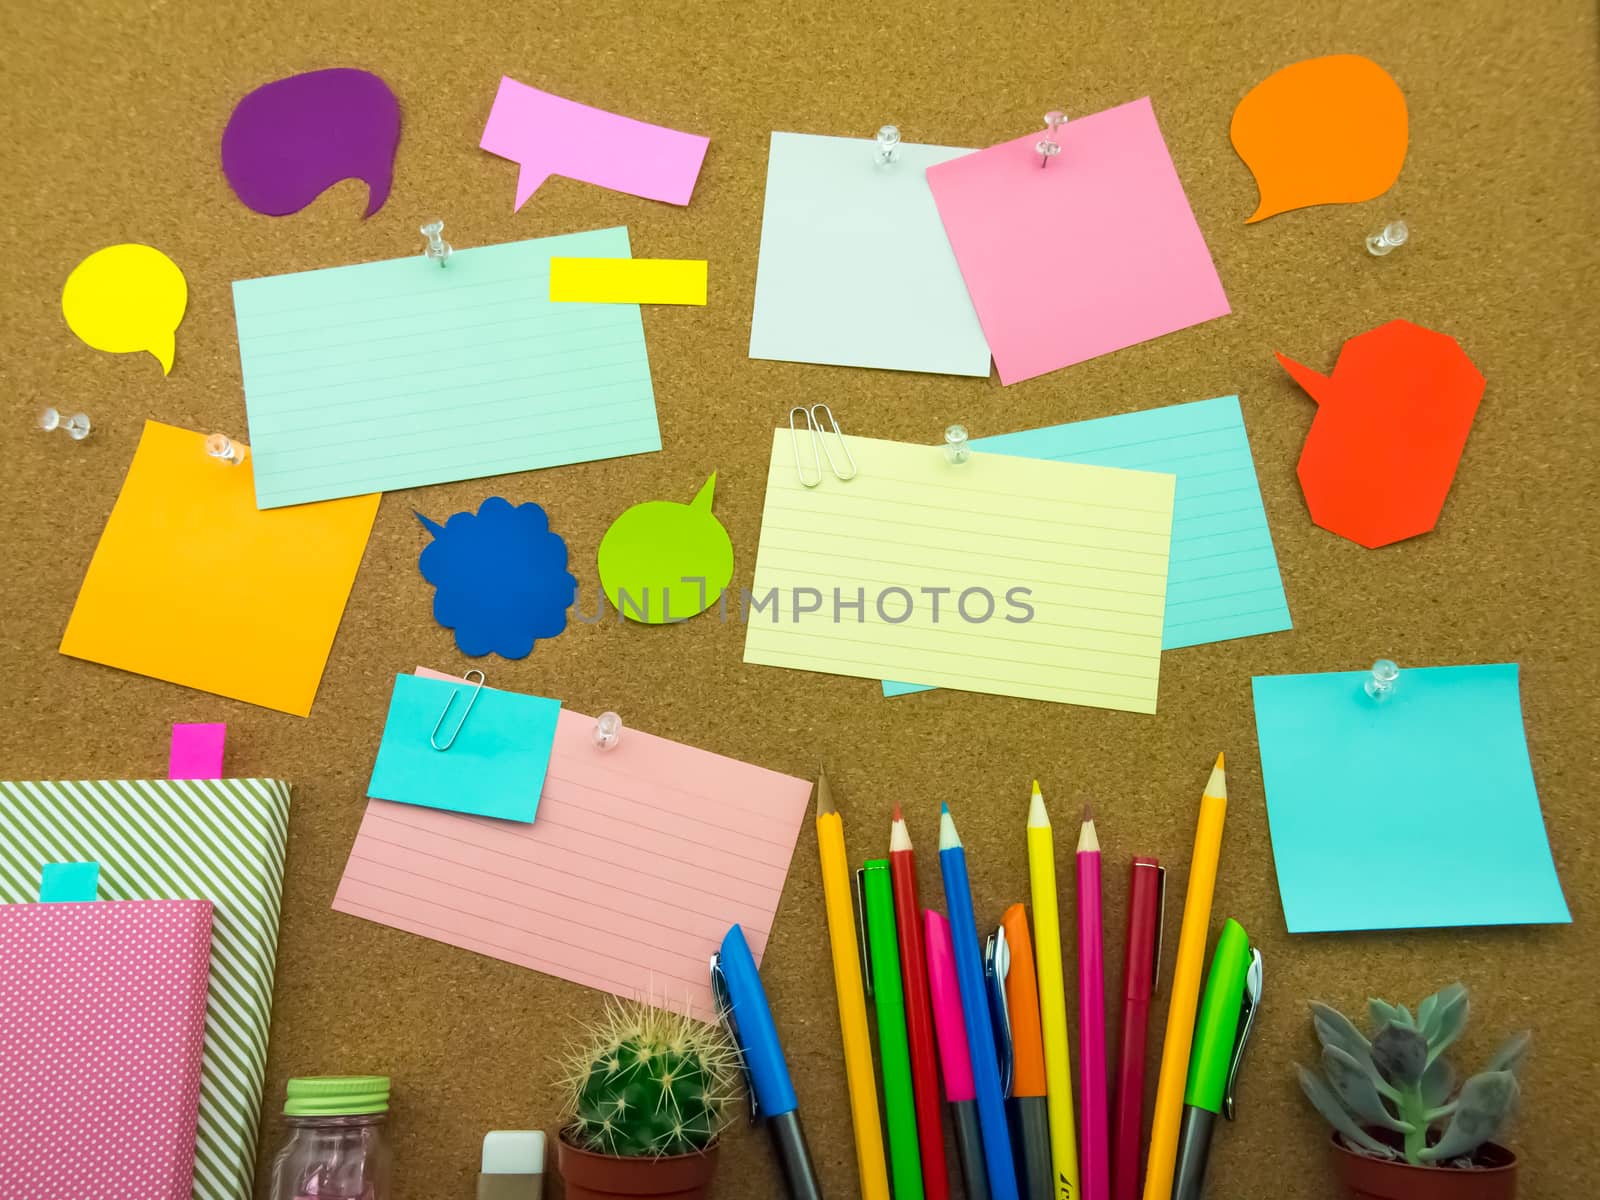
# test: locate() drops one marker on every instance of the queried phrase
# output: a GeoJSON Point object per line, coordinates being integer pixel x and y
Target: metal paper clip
{"type": "Point", "coordinates": [819, 444]}
{"type": "Point", "coordinates": [433, 738]}
{"type": "Point", "coordinates": [1251, 1005]}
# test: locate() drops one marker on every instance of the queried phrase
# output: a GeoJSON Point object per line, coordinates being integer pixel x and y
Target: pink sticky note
{"type": "Point", "coordinates": [641, 858]}
{"type": "Point", "coordinates": [197, 751]}
{"type": "Point", "coordinates": [1095, 252]}
{"type": "Point", "coordinates": [549, 135]}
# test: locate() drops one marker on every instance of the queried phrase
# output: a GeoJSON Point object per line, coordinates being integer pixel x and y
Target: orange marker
{"type": "Point", "coordinates": [1029, 1109]}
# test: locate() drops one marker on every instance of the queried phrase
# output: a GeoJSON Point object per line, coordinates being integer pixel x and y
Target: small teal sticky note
{"type": "Point", "coordinates": [1222, 577]}
{"type": "Point", "coordinates": [1414, 813]}
{"type": "Point", "coordinates": [61, 882]}
{"type": "Point", "coordinates": [495, 765]}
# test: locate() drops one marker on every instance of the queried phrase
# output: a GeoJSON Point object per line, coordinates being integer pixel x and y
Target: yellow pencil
{"type": "Point", "coordinates": [1052, 997]}
{"type": "Point", "coordinates": [859, 1076]}
{"type": "Point", "coordinates": [1186, 988]}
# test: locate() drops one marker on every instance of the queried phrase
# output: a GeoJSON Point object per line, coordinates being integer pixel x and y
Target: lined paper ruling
{"type": "Point", "coordinates": [191, 582]}
{"type": "Point", "coordinates": [1223, 580]}
{"type": "Point", "coordinates": [1096, 252]}
{"type": "Point", "coordinates": [1413, 813]}
{"type": "Point", "coordinates": [220, 840]}
{"type": "Point", "coordinates": [403, 373]}
{"type": "Point", "coordinates": [1012, 576]}
{"type": "Point", "coordinates": [640, 860]}
{"type": "Point", "coordinates": [855, 268]}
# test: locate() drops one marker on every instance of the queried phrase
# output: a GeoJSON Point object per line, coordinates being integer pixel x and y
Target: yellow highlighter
{"type": "Point", "coordinates": [859, 1076]}
{"type": "Point", "coordinates": [1186, 988]}
{"type": "Point", "coordinates": [1052, 998]}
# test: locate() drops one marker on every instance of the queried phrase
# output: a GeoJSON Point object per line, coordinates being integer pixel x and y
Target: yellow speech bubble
{"type": "Point", "coordinates": [125, 299]}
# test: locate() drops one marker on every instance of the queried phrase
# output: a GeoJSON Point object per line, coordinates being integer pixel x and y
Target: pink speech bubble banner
{"type": "Point", "coordinates": [548, 135]}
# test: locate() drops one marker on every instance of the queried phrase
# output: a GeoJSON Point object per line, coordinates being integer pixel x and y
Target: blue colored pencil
{"type": "Point", "coordinates": [992, 1122]}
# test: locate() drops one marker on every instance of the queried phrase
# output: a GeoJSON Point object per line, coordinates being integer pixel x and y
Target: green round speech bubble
{"type": "Point", "coordinates": [663, 562]}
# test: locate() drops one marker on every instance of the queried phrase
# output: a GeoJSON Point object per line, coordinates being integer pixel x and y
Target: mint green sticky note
{"type": "Point", "coordinates": [397, 374]}
{"type": "Point", "coordinates": [499, 748]}
{"type": "Point", "coordinates": [1413, 813]}
{"type": "Point", "coordinates": [65, 882]}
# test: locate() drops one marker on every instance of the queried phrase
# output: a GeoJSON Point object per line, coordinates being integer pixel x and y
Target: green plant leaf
{"type": "Point", "coordinates": [1511, 1053]}
{"type": "Point", "coordinates": [1448, 1024]}
{"type": "Point", "coordinates": [1438, 1081]}
{"type": "Point", "coordinates": [1355, 1088]}
{"type": "Point", "coordinates": [1481, 1109]}
{"type": "Point", "coordinates": [1401, 1055]}
{"type": "Point", "coordinates": [1383, 1013]}
{"type": "Point", "coordinates": [1335, 1029]}
{"type": "Point", "coordinates": [1333, 1111]}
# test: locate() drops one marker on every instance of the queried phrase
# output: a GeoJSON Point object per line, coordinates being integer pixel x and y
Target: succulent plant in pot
{"type": "Point", "coordinates": [1405, 1126]}
{"type": "Point", "coordinates": [646, 1096]}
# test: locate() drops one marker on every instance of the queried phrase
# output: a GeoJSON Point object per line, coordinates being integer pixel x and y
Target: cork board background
{"type": "Point", "coordinates": [114, 112]}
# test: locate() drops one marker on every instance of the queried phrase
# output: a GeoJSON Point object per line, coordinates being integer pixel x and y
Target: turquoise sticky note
{"type": "Point", "coordinates": [1222, 578]}
{"type": "Point", "coordinates": [69, 881]}
{"type": "Point", "coordinates": [1413, 813]}
{"type": "Point", "coordinates": [497, 756]}
{"type": "Point", "coordinates": [855, 267]}
{"type": "Point", "coordinates": [401, 373]}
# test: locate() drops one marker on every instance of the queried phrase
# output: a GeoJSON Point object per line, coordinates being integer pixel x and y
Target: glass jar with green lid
{"type": "Point", "coordinates": [334, 1147]}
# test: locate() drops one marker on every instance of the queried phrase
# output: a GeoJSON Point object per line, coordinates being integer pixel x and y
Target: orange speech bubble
{"type": "Point", "coordinates": [1324, 131]}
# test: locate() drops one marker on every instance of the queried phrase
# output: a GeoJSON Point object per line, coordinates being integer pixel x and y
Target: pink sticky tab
{"type": "Point", "coordinates": [197, 751]}
{"type": "Point", "coordinates": [549, 135]}
{"type": "Point", "coordinates": [1093, 252]}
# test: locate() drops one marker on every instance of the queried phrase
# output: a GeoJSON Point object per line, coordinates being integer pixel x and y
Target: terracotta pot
{"type": "Point", "coordinates": [590, 1176]}
{"type": "Point", "coordinates": [1493, 1176]}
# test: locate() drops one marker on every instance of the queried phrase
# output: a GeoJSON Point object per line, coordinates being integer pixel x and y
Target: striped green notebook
{"type": "Point", "coordinates": [215, 839]}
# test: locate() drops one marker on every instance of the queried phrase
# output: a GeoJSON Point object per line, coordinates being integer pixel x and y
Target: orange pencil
{"type": "Point", "coordinates": [1030, 1111]}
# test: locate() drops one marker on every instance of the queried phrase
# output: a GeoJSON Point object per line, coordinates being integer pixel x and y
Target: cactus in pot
{"type": "Point", "coordinates": [1395, 1095]}
{"type": "Point", "coordinates": [647, 1094]}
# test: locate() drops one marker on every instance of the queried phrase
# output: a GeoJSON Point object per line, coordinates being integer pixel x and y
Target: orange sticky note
{"type": "Point", "coordinates": [193, 584]}
{"type": "Point", "coordinates": [1329, 130]}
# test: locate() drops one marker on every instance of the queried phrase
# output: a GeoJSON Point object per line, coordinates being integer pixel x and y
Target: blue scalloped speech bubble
{"type": "Point", "coordinates": [500, 578]}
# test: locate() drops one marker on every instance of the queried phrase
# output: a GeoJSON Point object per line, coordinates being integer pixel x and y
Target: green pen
{"type": "Point", "coordinates": [883, 985]}
{"type": "Point", "coordinates": [1233, 996]}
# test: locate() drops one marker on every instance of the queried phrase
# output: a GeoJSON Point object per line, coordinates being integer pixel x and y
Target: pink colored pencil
{"type": "Point", "coordinates": [1094, 1140]}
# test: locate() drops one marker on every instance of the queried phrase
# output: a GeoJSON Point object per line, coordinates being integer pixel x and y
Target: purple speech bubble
{"type": "Point", "coordinates": [291, 140]}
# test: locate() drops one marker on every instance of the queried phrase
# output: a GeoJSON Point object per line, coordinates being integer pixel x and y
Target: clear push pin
{"type": "Point", "coordinates": [1389, 238]}
{"type": "Point", "coordinates": [607, 730]}
{"type": "Point", "coordinates": [77, 425]}
{"type": "Point", "coordinates": [956, 448]}
{"type": "Point", "coordinates": [438, 249]}
{"type": "Point", "coordinates": [1047, 146]}
{"type": "Point", "coordinates": [1381, 685]}
{"type": "Point", "coordinates": [888, 145]}
{"type": "Point", "coordinates": [220, 446]}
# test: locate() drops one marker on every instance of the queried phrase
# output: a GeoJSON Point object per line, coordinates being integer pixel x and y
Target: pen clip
{"type": "Point", "coordinates": [724, 1004]}
{"type": "Point", "coordinates": [996, 966]}
{"type": "Point", "coordinates": [1161, 924]}
{"type": "Point", "coordinates": [861, 929]}
{"type": "Point", "coordinates": [1250, 1005]}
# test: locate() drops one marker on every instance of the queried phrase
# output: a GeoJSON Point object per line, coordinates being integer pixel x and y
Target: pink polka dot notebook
{"type": "Point", "coordinates": [102, 1022]}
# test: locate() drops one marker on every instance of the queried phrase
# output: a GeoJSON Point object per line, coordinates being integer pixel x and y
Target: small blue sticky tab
{"type": "Point", "coordinates": [69, 881]}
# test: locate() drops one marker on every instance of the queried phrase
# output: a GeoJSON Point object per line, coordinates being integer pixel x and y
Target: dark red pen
{"type": "Point", "coordinates": [1147, 890]}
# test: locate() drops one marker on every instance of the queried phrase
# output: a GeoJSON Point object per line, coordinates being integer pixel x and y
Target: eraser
{"type": "Point", "coordinates": [513, 1152]}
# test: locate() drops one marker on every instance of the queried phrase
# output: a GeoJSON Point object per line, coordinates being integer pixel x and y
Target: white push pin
{"type": "Point", "coordinates": [220, 446]}
{"type": "Point", "coordinates": [1048, 147]}
{"type": "Point", "coordinates": [955, 444]}
{"type": "Point", "coordinates": [1381, 686]}
{"type": "Point", "coordinates": [888, 145]}
{"type": "Point", "coordinates": [1390, 237]}
{"type": "Point", "coordinates": [607, 730]}
{"type": "Point", "coordinates": [438, 249]}
{"type": "Point", "coordinates": [77, 425]}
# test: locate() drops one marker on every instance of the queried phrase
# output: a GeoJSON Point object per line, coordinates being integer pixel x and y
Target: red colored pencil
{"type": "Point", "coordinates": [919, 1012]}
{"type": "Point", "coordinates": [1138, 985]}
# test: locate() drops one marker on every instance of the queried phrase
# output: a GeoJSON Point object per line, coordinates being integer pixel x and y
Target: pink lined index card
{"type": "Point", "coordinates": [640, 859]}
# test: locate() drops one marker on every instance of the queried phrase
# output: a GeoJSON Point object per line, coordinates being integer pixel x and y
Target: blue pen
{"type": "Point", "coordinates": [742, 1006]}
{"type": "Point", "coordinates": [992, 1122]}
